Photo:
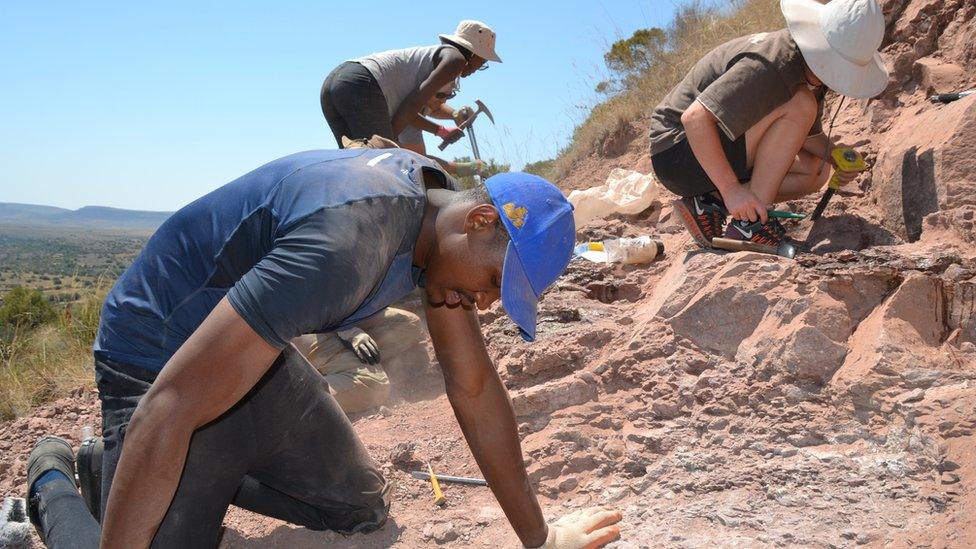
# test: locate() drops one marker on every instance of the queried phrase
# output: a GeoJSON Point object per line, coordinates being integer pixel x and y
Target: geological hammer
{"type": "Point", "coordinates": [785, 249]}
{"type": "Point", "coordinates": [482, 108]}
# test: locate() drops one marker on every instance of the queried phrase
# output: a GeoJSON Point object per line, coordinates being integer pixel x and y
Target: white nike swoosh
{"type": "Point", "coordinates": [745, 233]}
{"type": "Point", "coordinates": [698, 209]}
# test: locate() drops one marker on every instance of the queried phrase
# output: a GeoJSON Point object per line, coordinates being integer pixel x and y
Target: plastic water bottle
{"type": "Point", "coordinates": [641, 249]}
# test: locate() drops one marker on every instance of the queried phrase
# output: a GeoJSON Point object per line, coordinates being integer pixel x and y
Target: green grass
{"type": "Point", "coordinates": [48, 361]}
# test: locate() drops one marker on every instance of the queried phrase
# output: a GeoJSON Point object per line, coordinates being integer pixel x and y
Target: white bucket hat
{"type": "Point", "coordinates": [476, 37]}
{"type": "Point", "coordinates": [840, 42]}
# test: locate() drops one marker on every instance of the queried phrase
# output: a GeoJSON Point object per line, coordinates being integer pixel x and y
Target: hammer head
{"type": "Point", "coordinates": [483, 108]}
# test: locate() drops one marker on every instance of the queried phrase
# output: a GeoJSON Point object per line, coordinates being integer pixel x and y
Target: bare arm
{"type": "Point", "coordinates": [486, 416]}
{"type": "Point", "coordinates": [213, 369]}
{"type": "Point", "coordinates": [442, 112]}
{"type": "Point", "coordinates": [701, 129]}
{"type": "Point", "coordinates": [818, 145]}
{"type": "Point", "coordinates": [449, 66]}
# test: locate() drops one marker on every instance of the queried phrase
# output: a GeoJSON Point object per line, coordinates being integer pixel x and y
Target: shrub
{"type": "Point", "coordinates": [24, 308]}
{"type": "Point", "coordinates": [46, 361]}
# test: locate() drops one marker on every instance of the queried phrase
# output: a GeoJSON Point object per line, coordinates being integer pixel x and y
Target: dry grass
{"type": "Point", "coordinates": [47, 362]}
{"type": "Point", "coordinates": [694, 32]}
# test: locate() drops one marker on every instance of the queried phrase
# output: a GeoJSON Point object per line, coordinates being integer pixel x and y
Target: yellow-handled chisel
{"type": "Point", "coordinates": [439, 498]}
{"type": "Point", "coordinates": [846, 159]}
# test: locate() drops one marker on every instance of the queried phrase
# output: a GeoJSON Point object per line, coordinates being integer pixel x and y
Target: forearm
{"type": "Point", "coordinates": [488, 423]}
{"type": "Point", "coordinates": [442, 112]}
{"type": "Point", "coordinates": [818, 145]}
{"type": "Point", "coordinates": [416, 121]}
{"type": "Point", "coordinates": [145, 480]}
{"type": "Point", "coordinates": [702, 134]}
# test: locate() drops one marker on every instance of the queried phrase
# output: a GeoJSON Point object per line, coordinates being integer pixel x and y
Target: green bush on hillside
{"type": "Point", "coordinates": [44, 354]}
{"type": "Point", "coordinates": [646, 66]}
{"type": "Point", "coordinates": [24, 308]}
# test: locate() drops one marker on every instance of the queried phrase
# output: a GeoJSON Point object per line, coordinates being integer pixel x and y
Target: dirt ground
{"type": "Point", "coordinates": [733, 400]}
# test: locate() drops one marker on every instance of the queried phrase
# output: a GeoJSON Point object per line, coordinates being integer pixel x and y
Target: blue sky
{"type": "Point", "coordinates": [148, 105]}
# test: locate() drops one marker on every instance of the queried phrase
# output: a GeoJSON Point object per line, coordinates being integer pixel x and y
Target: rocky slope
{"type": "Point", "coordinates": [732, 399]}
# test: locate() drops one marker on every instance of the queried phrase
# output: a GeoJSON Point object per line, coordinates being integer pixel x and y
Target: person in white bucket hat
{"type": "Point", "coordinates": [743, 131]}
{"type": "Point", "coordinates": [383, 93]}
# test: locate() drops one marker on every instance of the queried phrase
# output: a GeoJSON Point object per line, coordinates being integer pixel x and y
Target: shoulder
{"type": "Point", "coordinates": [352, 177]}
{"type": "Point", "coordinates": [446, 53]}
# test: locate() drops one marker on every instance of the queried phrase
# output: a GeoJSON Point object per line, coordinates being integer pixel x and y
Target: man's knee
{"type": "Point", "coordinates": [404, 326]}
{"type": "Point", "coordinates": [363, 389]}
{"type": "Point", "coordinates": [348, 519]}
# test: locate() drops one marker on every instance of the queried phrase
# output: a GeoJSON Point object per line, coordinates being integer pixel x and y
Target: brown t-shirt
{"type": "Point", "coordinates": [740, 82]}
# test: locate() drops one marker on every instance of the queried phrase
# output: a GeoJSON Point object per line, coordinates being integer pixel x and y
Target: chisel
{"type": "Point", "coordinates": [423, 475]}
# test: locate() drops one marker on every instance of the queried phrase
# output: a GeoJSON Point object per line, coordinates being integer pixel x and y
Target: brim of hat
{"type": "Point", "coordinates": [836, 72]}
{"type": "Point", "coordinates": [487, 55]}
{"type": "Point", "coordinates": [520, 301]}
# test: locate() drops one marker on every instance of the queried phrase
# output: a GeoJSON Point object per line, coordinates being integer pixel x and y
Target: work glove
{"type": "Point", "coordinates": [360, 343]}
{"type": "Point", "coordinates": [475, 167]}
{"type": "Point", "coordinates": [584, 529]}
{"type": "Point", "coordinates": [449, 135]}
{"type": "Point", "coordinates": [462, 114]}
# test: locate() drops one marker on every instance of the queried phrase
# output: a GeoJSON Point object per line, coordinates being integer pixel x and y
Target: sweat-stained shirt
{"type": "Point", "coordinates": [307, 243]}
{"type": "Point", "coordinates": [739, 82]}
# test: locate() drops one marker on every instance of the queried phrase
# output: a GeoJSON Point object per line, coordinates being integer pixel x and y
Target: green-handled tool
{"type": "Point", "coordinates": [846, 159]}
{"type": "Point", "coordinates": [780, 214]}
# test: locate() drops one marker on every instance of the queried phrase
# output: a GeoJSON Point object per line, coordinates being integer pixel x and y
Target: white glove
{"type": "Point", "coordinates": [584, 529]}
{"type": "Point", "coordinates": [367, 351]}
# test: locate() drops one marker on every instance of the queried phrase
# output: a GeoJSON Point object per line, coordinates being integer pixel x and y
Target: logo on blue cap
{"type": "Point", "coordinates": [539, 221]}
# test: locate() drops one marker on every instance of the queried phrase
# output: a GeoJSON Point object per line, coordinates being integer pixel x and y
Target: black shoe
{"type": "Point", "coordinates": [49, 453]}
{"type": "Point", "coordinates": [771, 233]}
{"type": "Point", "coordinates": [90, 474]}
{"type": "Point", "coordinates": [703, 215]}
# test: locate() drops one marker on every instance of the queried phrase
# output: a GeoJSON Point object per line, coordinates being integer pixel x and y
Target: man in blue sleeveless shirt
{"type": "Point", "coordinates": [213, 406]}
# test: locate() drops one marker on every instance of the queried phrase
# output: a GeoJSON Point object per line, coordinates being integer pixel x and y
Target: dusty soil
{"type": "Point", "coordinates": [730, 399]}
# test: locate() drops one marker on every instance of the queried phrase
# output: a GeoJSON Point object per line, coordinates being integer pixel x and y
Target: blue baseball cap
{"type": "Point", "coordinates": [539, 220]}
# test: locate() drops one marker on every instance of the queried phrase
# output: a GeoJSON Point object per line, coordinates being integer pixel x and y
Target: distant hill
{"type": "Point", "coordinates": [88, 217]}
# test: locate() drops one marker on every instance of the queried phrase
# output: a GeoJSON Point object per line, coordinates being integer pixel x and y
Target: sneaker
{"type": "Point", "coordinates": [49, 453]}
{"type": "Point", "coordinates": [90, 474]}
{"type": "Point", "coordinates": [770, 233]}
{"type": "Point", "coordinates": [703, 216]}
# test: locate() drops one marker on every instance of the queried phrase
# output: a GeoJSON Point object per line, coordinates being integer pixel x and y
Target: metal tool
{"type": "Point", "coordinates": [847, 159]}
{"type": "Point", "coordinates": [950, 97]}
{"type": "Point", "coordinates": [784, 215]}
{"type": "Point", "coordinates": [422, 475]}
{"type": "Point", "coordinates": [785, 249]}
{"type": "Point", "coordinates": [482, 108]}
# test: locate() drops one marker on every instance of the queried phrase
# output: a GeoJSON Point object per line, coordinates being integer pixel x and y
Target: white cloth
{"type": "Point", "coordinates": [625, 192]}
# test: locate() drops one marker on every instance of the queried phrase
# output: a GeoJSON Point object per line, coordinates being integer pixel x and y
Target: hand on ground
{"type": "Point", "coordinates": [365, 348]}
{"type": "Point", "coordinates": [744, 204]}
{"type": "Point", "coordinates": [584, 529]}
